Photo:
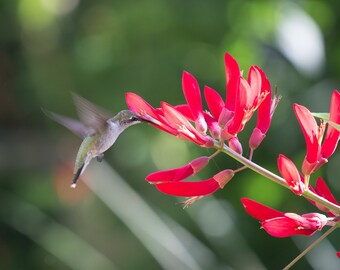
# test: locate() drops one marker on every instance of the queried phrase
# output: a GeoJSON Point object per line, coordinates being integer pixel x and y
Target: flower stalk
{"type": "Point", "coordinates": [275, 178]}
{"type": "Point", "coordinates": [309, 248]}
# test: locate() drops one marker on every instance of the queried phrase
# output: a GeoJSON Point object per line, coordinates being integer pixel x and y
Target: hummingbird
{"type": "Point", "coordinates": [97, 127]}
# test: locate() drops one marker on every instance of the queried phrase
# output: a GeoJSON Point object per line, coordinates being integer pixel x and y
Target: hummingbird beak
{"type": "Point", "coordinates": [145, 120]}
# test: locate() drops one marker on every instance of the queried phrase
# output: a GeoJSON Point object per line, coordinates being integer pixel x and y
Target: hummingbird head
{"type": "Point", "coordinates": [127, 118]}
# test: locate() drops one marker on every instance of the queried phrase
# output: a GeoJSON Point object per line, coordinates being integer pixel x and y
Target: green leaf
{"type": "Point", "coordinates": [325, 117]}
{"type": "Point", "coordinates": [336, 126]}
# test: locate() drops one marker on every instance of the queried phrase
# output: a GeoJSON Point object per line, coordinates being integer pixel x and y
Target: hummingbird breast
{"type": "Point", "coordinates": [105, 140]}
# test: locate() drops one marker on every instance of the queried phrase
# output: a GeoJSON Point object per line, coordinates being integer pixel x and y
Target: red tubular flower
{"type": "Point", "coordinates": [214, 101]}
{"type": "Point", "coordinates": [184, 127]}
{"type": "Point", "coordinates": [144, 110]}
{"type": "Point", "coordinates": [189, 189]}
{"type": "Point", "coordinates": [178, 174]}
{"type": "Point", "coordinates": [193, 96]}
{"type": "Point", "coordinates": [322, 190]}
{"type": "Point", "coordinates": [279, 224]}
{"type": "Point", "coordinates": [316, 154]}
{"type": "Point", "coordinates": [233, 75]}
{"type": "Point", "coordinates": [311, 133]}
{"type": "Point", "coordinates": [201, 188]}
{"type": "Point", "coordinates": [216, 106]}
{"type": "Point", "coordinates": [264, 114]}
{"type": "Point", "coordinates": [243, 99]}
{"type": "Point", "coordinates": [236, 124]}
{"type": "Point", "coordinates": [225, 119]}
{"type": "Point", "coordinates": [259, 211]}
{"type": "Point", "coordinates": [294, 224]}
{"type": "Point", "coordinates": [291, 174]}
{"type": "Point", "coordinates": [332, 136]}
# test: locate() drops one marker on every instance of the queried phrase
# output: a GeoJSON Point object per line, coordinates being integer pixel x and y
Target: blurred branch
{"type": "Point", "coordinates": [52, 236]}
{"type": "Point", "coordinates": [154, 233]}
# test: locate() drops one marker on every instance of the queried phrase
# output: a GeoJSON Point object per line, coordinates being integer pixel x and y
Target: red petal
{"type": "Point", "coordinates": [233, 76]}
{"type": "Point", "coordinates": [183, 126]}
{"type": "Point", "coordinates": [291, 174]}
{"type": "Point", "coordinates": [310, 131]}
{"type": "Point", "coordinates": [237, 122]}
{"type": "Point", "coordinates": [214, 101]}
{"type": "Point", "coordinates": [322, 189]}
{"type": "Point", "coordinates": [189, 189]}
{"type": "Point", "coordinates": [139, 106]}
{"type": "Point", "coordinates": [193, 97]}
{"type": "Point", "coordinates": [255, 83]}
{"type": "Point", "coordinates": [284, 227]}
{"type": "Point", "coordinates": [332, 136]}
{"type": "Point", "coordinates": [185, 110]}
{"type": "Point", "coordinates": [178, 174]}
{"type": "Point", "coordinates": [143, 109]}
{"type": "Point", "coordinates": [260, 211]}
{"type": "Point", "coordinates": [172, 175]}
{"type": "Point", "coordinates": [264, 113]}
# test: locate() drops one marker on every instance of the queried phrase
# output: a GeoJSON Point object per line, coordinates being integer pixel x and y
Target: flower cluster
{"type": "Point", "coordinates": [280, 224]}
{"type": "Point", "coordinates": [219, 126]}
{"type": "Point", "coordinates": [224, 120]}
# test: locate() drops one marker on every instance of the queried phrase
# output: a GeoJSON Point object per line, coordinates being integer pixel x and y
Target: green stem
{"type": "Point", "coordinates": [303, 253]}
{"type": "Point", "coordinates": [275, 178]}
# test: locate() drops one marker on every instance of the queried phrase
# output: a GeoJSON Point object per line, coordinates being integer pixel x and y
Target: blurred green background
{"type": "Point", "coordinates": [102, 49]}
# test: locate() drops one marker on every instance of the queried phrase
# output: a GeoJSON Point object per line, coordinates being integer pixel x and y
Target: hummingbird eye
{"type": "Point", "coordinates": [134, 119]}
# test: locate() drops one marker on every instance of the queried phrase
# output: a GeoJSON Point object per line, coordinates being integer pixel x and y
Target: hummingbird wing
{"type": "Point", "coordinates": [90, 114]}
{"type": "Point", "coordinates": [74, 125]}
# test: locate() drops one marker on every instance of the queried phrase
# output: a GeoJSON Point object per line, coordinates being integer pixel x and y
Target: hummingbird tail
{"type": "Point", "coordinates": [76, 177]}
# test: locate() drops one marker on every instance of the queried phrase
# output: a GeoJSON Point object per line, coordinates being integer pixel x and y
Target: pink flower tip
{"type": "Point", "coordinates": [200, 124]}
{"type": "Point", "coordinates": [256, 138]}
{"type": "Point", "coordinates": [223, 177]}
{"type": "Point", "coordinates": [215, 130]}
{"type": "Point", "coordinates": [235, 145]}
{"type": "Point", "coordinates": [199, 163]}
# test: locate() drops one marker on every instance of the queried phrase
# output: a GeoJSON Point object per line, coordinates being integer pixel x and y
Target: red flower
{"type": "Point", "coordinates": [264, 113]}
{"type": "Point", "coordinates": [322, 190]}
{"type": "Point", "coordinates": [225, 119]}
{"type": "Point", "coordinates": [243, 99]}
{"type": "Point", "coordinates": [316, 154]}
{"type": "Point", "coordinates": [192, 94]}
{"type": "Point", "coordinates": [243, 96]}
{"type": "Point", "coordinates": [279, 224]}
{"type": "Point", "coordinates": [167, 119]}
{"type": "Point", "coordinates": [155, 116]}
{"type": "Point", "coordinates": [184, 127]}
{"type": "Point", "coordinates": [201, 188]}
{"type": "Point", "coordinates": [291, 174]}
{"type": "Point", "coordinates": [332, 136]}
{"type": "Point", "coordinates": [179, 174]}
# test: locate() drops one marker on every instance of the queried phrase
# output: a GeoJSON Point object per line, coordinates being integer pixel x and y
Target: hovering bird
{"type": "Point", "coordinates": [98, 129]}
